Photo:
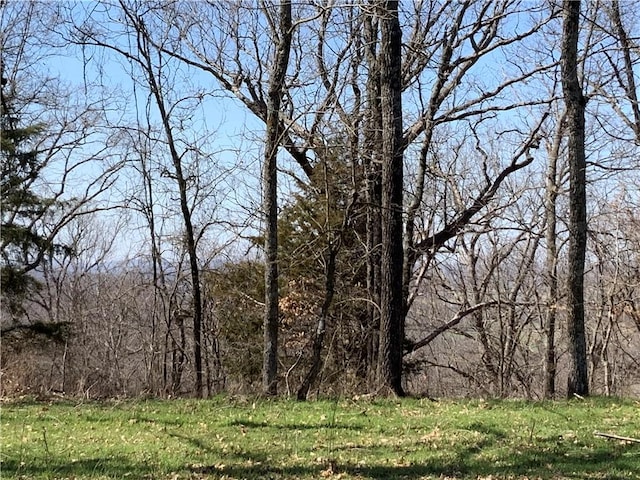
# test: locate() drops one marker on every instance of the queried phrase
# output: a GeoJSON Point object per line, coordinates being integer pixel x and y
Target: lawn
{"type": "Point", "coordinates": [229, 438]}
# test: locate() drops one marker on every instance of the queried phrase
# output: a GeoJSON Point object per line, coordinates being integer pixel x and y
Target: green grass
{"type": "Point", "coordinates": [227, 438]}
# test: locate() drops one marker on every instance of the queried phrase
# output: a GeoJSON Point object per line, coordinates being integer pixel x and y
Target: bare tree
{"type": "Point", "coordinates": [391, 289]}
{"type": "Point", "coordinates": [452, 40]}
{"type": "Point", "coordinates": [575, 102]}
{"type": "Point", "coordinates": [146, 35]}
{"type": "Point", "coordinates": [552, 186]}
{"type": "Point", "coordinates": [282, 32]}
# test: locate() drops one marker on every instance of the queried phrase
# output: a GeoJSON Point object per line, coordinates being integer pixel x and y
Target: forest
{"type": "Point", "coordinates": [317, 198]}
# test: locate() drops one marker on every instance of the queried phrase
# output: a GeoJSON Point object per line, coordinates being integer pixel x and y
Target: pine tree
{"type": "Point", "coordinates": [23, 247]}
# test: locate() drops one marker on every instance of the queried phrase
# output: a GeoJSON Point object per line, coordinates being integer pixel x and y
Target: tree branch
{"type": "Point", "coordinates": [450, 324]}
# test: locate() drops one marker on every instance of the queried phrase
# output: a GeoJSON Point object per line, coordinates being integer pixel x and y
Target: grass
{"type": "Point", "coordinates": [227, 438]}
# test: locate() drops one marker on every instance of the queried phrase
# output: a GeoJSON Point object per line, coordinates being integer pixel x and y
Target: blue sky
{"type": "Point", "coordinates": [227, 130]}
{"type": "Point", "coordinates": [233, 136]}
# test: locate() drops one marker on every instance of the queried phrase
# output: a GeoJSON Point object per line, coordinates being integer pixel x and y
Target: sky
{"type": "Point", "coordinates": [220, 125]}
{"type": "Point", "coordinates": [229, 135]}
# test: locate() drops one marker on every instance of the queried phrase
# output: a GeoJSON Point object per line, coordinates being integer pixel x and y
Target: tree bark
{"type": "Point", "coordinates": [391, 291]}
{"type": "Point", "coordinates": [321, 327]}
{"type": "Point", "coordinates": [372, 142]}
{"type": "Point", "coordinates": [551, 263]}
{"type": "Point", "coordinates": [270, 199]}
{"type": "Point", "coordinates": [577, 382]}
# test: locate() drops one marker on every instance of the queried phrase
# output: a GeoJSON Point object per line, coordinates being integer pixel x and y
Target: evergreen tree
{"type": "Point", "coordinates": [23, 247]}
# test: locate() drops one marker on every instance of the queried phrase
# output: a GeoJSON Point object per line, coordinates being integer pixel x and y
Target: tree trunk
{"type": "Point", "coordinates": [270, 200]}
{"type": "Point", "coordinates": [575, 101]}
{"type": "Point", "coordinates": [391, 291]}
{"type": "Point", "coordinates": [190, 238]}
{"type": "Point", "coordinates": [153, 79]}
{"type": "Point", "coordinates": [551, 263]}
{"type": "Point", "coordinates": [321, 327]}
{"type": "Point", "coordinates": [373, 194]}
{"type": "Point", "coordinates": [189, 234]}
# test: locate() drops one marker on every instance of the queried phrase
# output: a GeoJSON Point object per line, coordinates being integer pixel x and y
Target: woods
{"type": "Point", "coordinates": [308, 199]}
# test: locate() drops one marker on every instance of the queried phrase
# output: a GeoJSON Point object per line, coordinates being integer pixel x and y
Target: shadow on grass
{"type": "Point", "coordinates": [194, 442]}
{"type": "Point", "coordinates": [486, 429]}
{"type": "Point", "coordinates": [545, 460]}
{"type": "Point", "coordinates": [291, 426]}
{"type": "Point", "coordinates": [110, 466]}
{"type": "Point", "coordinates": [615, 463]}
{"type": "Point", "coordinates": [609, 464]}
{"type": "Point", "coordinates": [466, 462]}
{"type": "Point", "coordinates": [259, 471]}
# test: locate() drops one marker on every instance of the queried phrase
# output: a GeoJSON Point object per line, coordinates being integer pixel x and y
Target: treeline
{"type": "Point", "coordinates": [440, 199]}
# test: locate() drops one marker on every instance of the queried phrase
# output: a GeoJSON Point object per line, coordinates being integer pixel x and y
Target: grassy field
{"type": "Point", "coordinates": [229, 438]}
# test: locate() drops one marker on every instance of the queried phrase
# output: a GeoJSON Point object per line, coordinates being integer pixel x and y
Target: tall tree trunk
{"type": "Point", "coordinates": [391, 292]}
{"type": "Point", "coordinates": [575, 101]}
{"type": "Point", "coordinates": [154, 82]}
{"type": "Point", "coordinates": [270, 199]}
{"type": "Point", "coordinates": [190, 237]}
{"type": "Point", "coordinates": [373, 199]}
{"type": "Point", "coordinates": [551, 262]}
{"type": "Point", "coordinates": [195, 281]}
